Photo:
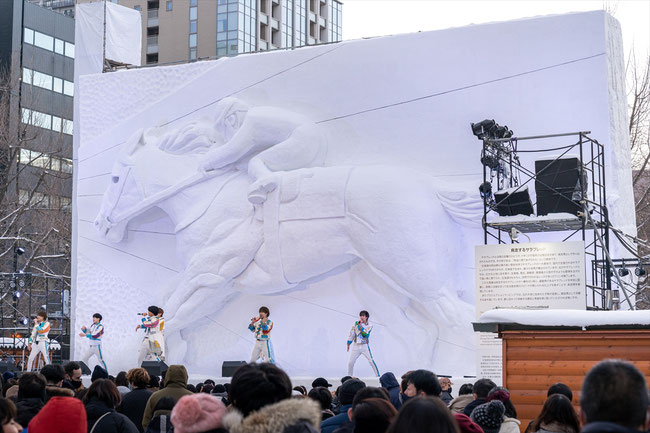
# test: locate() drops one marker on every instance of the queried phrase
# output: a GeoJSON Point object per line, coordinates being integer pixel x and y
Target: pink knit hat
{"type": "Point", "coordinates": [197, 413]}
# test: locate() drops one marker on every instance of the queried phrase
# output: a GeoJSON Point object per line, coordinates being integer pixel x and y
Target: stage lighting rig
{"type": "Point", "coordinates": [499, 157]}
{"type": "Point", "coordinates": [624, 271]}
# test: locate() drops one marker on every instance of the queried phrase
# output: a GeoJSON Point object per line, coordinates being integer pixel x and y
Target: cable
{"type": "Point", "coordinates": [458, 89]}
{"type": "Point", "coordinates": [215, 101]}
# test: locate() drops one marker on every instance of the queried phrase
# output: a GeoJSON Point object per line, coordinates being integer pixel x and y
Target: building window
{"type": "Point", "coordinates": [193, 41]}
{"type": "Point", "coordinates": [44, 41]}
{"type": "Point", "coordinates": [169, 5]}
{"type": "Point", "coordinates": [192, 53]}
{"type": "Point", "coordinates": [46, 121]}
{"type": "Point", "coordinates": [192, 26]}
{"type": "Point", "coordinates": [29, 36]}
{"type": "Point", "coordinates": [193, 13]}
{"type": "Point", "coordinates": [194, 3]}
{"type": "Point", "coordinates": [59, 46]}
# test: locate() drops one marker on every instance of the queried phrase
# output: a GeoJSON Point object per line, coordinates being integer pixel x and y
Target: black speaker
{"type": "Point", "coordinates": [228, 368]}
{"type": "Point", "coordinates": [560, 185]}
{"type": "Point", "coordinates": [154, 368]}
{"type": "Point", "coordinates": [516, 203]}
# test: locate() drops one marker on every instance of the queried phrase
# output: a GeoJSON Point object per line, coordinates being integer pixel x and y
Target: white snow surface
{"type": "Point", "coordinates": [405, 102]}
{"type": "Point", "coordinates": [580, 318]}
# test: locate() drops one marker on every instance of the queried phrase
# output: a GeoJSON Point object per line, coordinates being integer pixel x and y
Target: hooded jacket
{"type": "Point", "coordinates": [287, 416]}
{"type": "Point", "coordinates": [112, 423]}
{"type": "Point", "coordinates": [175, 387]}
{"type": "Point", "coordinates": [388, 381]}
{"type": "Point", "coordinates": [458, 404]}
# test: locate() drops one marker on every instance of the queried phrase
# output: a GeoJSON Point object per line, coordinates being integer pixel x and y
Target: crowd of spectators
{"type": "Point", "coordinates": [261, 399]}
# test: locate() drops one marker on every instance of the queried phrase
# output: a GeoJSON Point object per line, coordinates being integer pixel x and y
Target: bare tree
{"type": "Point", "coordinates": [638, 84]}
{"type": "Point", "coordinates": [34, 176]}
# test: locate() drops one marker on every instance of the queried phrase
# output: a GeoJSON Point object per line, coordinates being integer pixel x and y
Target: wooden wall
{"type": "Point", "coordinates": [534, 360]}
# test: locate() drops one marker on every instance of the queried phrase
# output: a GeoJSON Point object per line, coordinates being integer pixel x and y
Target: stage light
{"type": "Point", "coordinates": [20, 251]}
{"type": "Point", "coordinates": [484, 128]}
{"type": "Point", "coordinates": [486, 190]}
{"type": "Point", "coordinates": [490, 160]}
{"type": "Point", "coordinates": [639, 271]}
{"type": "Point", "coordinates": [17, 294]}
{"type": "Point", "coordinates": [24, 320]}
{"type": "Point", "coordinates": [502, 132]}
{"type": "Point", "coordinates": [641, 274]}
{"type": "Point", "coordinates": [623, 272]}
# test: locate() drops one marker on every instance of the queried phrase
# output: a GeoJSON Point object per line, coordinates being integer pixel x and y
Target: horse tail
{"type": "Point", "coordinates": [464, 206]}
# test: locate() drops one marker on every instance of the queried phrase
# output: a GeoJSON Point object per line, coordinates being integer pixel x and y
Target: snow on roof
{"type": "Point", "coordinates": [580, 318]}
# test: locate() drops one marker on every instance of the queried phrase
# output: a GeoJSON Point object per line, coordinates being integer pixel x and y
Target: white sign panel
{"type": "Point", "coordinates": [540, 275]}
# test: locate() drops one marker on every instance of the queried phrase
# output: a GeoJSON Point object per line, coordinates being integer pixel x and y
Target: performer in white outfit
{"type": "Point", "coordinates": [160, 334]}
{"type": "Point", "coordinates": [359, 339]}
{"type": "Point", "coordinates": [38, 340]}
{"type": "Point", "coordinates": [261, 326]}
{"type": "Point", "coordinates": [94, 334]}
{"type": "Point", "coordinates": [149, 346]}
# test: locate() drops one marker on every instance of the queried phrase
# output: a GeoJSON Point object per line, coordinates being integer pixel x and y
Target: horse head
{"type": "Point", "coordinates": [123, 192]}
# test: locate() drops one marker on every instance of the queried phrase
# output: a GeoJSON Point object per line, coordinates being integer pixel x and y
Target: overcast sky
{"type": "Point", "coordinates": [363, 18]}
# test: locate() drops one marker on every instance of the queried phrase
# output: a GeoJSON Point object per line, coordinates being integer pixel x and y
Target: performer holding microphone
{"type": "Point", "coordinates": [261, 326]}
{"type": "Point", "coordinates": [38, 340]}
{"type": "Point", "coordinates": [150, 324]}
{"type": "Point", "coordinates": [94, 334]}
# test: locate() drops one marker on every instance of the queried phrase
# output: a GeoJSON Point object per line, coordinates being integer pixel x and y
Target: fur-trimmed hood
{"type": "Point", "coordinates": [286, 415]}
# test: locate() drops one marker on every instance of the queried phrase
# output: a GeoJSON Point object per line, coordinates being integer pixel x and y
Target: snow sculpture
{"type": "Point", "coordinates": [257, 213]}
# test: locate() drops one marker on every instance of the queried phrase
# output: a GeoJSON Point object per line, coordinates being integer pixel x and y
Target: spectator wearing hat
{"type": "Point", "coordinates": [466, 425]}
{"type": "Point", "coordinates": [198, 413]}
{"type": "Point", "coordinates": [489, 416]}
{"type": "Point", "coordinates": [424, 414]}
{"type": "Point", "coordinates": [320, 381]}
{"type": "Point", "coordinates": [60, 415]}
{"type": "Point", "coordinates": [261, 402]}
{"type": "Point", "coordinates": [388, 381]}
{"type": "Point", "coordinates": [346, 396]}
{"type": "Point", "coordinates": [175, 387]}
{"type": "Point", "coordinates": [98, 373]}
{"type": "Point", "coordinates": [464, 398]}
{"type": "Point", "coordinates": [510, 422]}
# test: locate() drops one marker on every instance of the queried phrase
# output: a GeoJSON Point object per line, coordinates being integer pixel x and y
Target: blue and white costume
{"type": "Point", "coordinates": [40, 342]}
{"type": "Point", "coordinates": [360, 345]}
{"type": "Point", "coordinates": [263, 348]}
{"type": "Point", "coordinates": [94, 335]}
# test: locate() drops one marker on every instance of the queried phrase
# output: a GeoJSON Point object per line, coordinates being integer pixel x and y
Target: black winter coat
{"type": "Point", "coordinates": [27, 409]}
{"type": "Point", "coordinates": [133, 405]}
{"type": "Point", "coordinates": [112, 423]}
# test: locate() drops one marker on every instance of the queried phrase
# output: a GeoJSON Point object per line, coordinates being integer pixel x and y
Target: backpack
{"type": "Point", "coordinates": [160, 424]}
